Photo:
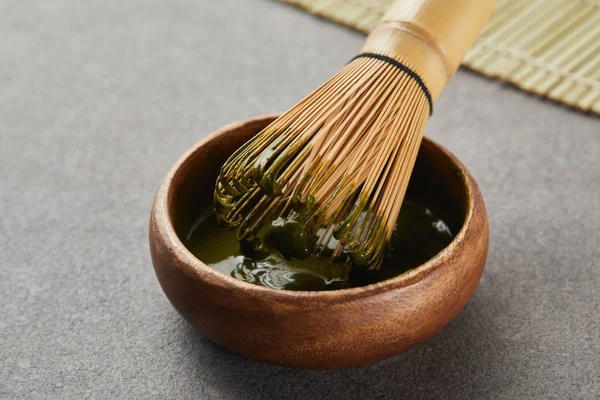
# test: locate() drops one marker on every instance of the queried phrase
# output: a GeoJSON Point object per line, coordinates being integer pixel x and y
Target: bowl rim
{"type": "Point", "coordinates": [163, 227]}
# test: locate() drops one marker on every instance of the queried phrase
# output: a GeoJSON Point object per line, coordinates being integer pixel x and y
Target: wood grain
{"type": "Point", "coordinates": [334, 329]}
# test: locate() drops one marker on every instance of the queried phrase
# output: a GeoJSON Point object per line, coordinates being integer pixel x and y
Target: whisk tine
{"type": "Point", "coordinates": [336, 165]}
{"type": "Point", "coordinates": [336, 145]}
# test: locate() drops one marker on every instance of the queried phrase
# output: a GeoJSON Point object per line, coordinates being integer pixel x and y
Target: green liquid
{"type": "Point", "coordinates": [419, 235]}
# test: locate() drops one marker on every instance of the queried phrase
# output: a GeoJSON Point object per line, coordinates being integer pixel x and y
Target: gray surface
{"type": "Point", "coordinates": [99, 98]}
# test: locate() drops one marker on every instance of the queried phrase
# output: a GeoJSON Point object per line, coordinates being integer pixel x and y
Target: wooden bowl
{"type": "Point", "coordinates": [329, 329]}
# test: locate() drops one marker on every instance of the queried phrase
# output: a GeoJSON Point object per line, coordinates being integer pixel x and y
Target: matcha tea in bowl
{"type": "Point", "coordinates": [334, 327]}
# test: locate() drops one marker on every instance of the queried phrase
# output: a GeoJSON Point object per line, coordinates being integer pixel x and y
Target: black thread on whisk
{"type": "Point", "coordinates": [403, 68]}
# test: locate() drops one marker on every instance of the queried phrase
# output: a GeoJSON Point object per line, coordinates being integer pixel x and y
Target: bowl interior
{"type": "Point", "coordinates": [436, 179]}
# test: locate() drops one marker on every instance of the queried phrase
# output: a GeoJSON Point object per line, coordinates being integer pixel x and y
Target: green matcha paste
{"type": "Point", "coordinates": [418, 236]}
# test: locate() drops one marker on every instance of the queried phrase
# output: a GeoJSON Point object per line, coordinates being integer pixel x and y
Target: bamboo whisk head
{"type": "Point", "coordinates": [331, 173]}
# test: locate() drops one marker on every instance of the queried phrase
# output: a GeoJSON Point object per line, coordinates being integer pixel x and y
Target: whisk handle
{"type": "Point", "coordinates": [430, 36]}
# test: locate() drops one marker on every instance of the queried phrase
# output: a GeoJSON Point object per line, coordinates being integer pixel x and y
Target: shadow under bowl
{"type": "Point", "coordinates": [328, 329]}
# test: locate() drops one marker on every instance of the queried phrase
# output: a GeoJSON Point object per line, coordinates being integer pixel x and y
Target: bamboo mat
{"type": "Point", "coordinates": [547, 47]}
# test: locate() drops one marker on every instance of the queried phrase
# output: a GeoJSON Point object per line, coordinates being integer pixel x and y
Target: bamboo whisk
{"type": "Point", "coordinates": [337, 164]}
